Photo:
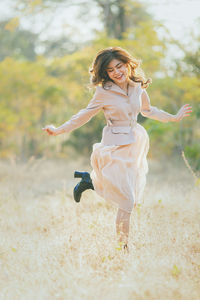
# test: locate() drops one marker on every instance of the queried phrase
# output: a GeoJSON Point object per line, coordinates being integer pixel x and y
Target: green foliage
{"type": "Point", "coordinates": [27, 96]}
{"type": "Point", "coordinates": [161, 137]}
{"type": "Point", "coordinates": [192, 152]}
{"type": "Point", "coordinates": [34, 94]}
{"type": "Point", "coordinates": [49, 91]}
{"type": "Point", "coordinates": [81, 140]}
{"type": "Point", "coordinates": [16, 42]}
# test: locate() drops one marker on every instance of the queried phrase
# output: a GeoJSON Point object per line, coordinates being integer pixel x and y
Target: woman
{"type": "Point", "coordinates": [119, 161]}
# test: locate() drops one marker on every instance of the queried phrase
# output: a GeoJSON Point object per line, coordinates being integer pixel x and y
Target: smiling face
{"type": "Point", "coordinates": [117, 71]}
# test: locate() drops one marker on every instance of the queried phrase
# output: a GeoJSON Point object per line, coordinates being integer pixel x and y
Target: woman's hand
{"type": "Point", "coordinates": [184, 111]}
{"type": "Point", "coordinates": [51, 130]}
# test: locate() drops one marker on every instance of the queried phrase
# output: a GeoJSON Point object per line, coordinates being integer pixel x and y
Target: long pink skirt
{"type": "Point", "coordinates": [119, 172]}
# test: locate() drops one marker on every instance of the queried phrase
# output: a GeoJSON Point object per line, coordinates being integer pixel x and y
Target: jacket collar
{"type": "Point", "coordinates": [111, 86]}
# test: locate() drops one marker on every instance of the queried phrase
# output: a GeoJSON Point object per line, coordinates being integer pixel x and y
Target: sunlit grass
{"type": "Point", "coordinates": [54, 248]}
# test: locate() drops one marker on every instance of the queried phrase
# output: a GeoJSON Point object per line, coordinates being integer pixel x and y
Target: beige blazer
{"type": "Point", "coordinates": [120, 111]}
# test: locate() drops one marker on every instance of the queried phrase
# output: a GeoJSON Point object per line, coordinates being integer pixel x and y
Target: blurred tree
{"type": "Point", "coordinates": [45, 91]}
{"type": "Point", "coordinates": [16, 42]}
{"type": "Point", "coordinates": [27, 96]}
{"type": "Point", "coordinates": [190, 64]}
{"type": "Point", "coordinates": [193, 59]}
{"type": "Point", "coordinates": [188, 74]}
{"type": "Point", "coordinates": [59, 47]}
{"type": "Point", "coordinates": [24, 44]}
{"type": "Point", "coordinates": [120, 15]}
{"type": "Point", "coordinates": [121, 19]}
{"type": "Point", "coordinates": [117, 16]}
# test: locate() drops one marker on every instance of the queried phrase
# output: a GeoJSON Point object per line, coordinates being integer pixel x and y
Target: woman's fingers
{"type": "Point", "coordinates": [186, 107]}
{"type": "Point", "coordinates": [46, 129]}
{"type": "Point", "coordinates": [49, 132]}
{"type": "Point", "coordinates": [184, 111]}
{"type": "Point", "coordinates": [50, 129]}
{"type": "Point", "coordinates": [188, 110]}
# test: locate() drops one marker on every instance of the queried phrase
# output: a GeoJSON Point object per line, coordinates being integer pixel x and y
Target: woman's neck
{"type": "Point", "coordinates": [124, 86]}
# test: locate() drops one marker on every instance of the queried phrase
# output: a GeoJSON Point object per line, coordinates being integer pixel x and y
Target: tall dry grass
{"type": "Point", "coordinates": [54, 248]}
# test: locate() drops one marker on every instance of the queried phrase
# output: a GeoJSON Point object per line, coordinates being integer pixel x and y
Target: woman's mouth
{"type": "Point", "coordinates": [119, 77]}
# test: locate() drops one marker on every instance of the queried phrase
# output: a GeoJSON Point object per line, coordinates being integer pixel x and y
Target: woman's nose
{"type": "Point", "coordinates": [116, 72]}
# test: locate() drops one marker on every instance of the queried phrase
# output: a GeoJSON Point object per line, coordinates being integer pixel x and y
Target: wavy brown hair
{"type": "Point", "coordinates": [98, 71]}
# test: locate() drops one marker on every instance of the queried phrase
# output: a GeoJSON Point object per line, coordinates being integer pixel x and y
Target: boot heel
{"type": "Point", "coordinates": [84, 175]}
{"type": "Point", "coordinates": [78, 174]}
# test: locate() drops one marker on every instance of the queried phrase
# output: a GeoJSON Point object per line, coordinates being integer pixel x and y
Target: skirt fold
{"type": "Point", "coordinates": [119, 172]}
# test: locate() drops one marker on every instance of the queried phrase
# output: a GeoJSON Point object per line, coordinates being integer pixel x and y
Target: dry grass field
{"type": "Point", "coordinates": [53, 248]}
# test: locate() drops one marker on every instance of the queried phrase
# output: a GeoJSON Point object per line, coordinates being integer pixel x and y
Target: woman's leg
{"type": "Point", "coordinates": [122, 226]}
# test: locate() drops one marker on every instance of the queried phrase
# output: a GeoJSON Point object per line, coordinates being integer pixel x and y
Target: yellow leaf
{"type": "Point", "coordinates": [175, 271]}
{"type": "Point", "coordinates": [35, 3]}
{"type": "Point", "coordinates": [12, 24]}
{"type": "Point", "coordinates": [118, 248]}
{"type": "Point", "coordinates": [197, 182]}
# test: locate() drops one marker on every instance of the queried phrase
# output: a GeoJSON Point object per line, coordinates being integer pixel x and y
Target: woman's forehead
{"type": "Point", "coordinates": [113, 63]}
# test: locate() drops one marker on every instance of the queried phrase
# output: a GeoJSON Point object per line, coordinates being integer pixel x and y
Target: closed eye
{"type": "Point", "coordinates": [117, 66]}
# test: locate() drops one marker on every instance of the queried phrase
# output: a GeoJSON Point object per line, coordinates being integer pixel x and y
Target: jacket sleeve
{"type": "Point", "coordinates": [84, 115]}
{"type": "Point", "coordinates": [152, 112]}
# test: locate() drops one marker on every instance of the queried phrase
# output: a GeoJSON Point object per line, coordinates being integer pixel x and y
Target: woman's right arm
{"type": "Point", "coordinates": [79, 119]}
{"type": "Point", "coordinates": [152, 112]}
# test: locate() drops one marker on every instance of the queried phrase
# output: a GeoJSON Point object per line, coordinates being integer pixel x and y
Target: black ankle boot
{"type": "Point", "coordinates": [84, 184]}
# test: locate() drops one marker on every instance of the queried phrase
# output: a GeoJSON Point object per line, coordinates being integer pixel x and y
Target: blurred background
{"type": "Point", "coordinates": [47, 47]}
{"type": "Point", "coordinates": [50, 247]}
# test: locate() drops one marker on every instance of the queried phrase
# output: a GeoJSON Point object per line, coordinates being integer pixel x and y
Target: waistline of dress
{"type": "Point", "coordinates": [127, 123]}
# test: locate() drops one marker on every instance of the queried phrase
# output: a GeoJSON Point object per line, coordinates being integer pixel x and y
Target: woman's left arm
{"type": "Point", "coordinates": [152, 112]}
{"type": "Point", "coordinates": [80, 118]}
